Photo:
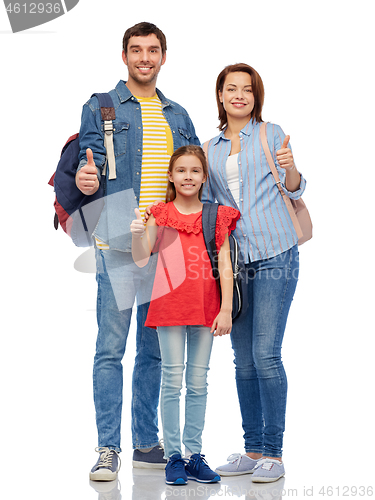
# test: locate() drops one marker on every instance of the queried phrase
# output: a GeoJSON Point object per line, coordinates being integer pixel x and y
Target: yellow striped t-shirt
{"type": "Point", "coordinates": [157, 150]}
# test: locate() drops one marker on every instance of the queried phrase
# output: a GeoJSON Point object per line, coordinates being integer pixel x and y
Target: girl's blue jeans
{"type": "Point", "coordinates": [257, 337]}
{"type": "Point", "coordinates": [172, 341]}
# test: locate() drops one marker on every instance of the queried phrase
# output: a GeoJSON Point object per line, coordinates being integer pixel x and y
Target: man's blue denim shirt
{"type": "Point", "coordinates": [122, 193]}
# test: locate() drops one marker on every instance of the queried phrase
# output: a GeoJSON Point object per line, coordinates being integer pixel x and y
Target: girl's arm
{"type": "Point", "coordinates": [223, 321]}
{"type": "Point", "coordinates": [143, 238]}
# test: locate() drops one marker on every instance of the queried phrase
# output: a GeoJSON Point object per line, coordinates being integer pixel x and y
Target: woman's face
{"type": "Point", "coordinates": [237, 95]}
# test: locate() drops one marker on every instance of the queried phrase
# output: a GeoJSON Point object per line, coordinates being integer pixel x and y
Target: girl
{"type": "Point", "coordinates": [240, 177]}
{"type": "Point", "coordinates": [185, 305]}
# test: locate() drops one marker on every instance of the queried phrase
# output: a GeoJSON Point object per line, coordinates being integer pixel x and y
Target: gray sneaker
{"type": "Point", "coordinates": [107, 466]}
{"type": "Point", "coordinates": [238, 465]}
{"type": "Point", "coordinates": [153, 459]}
{"type": "Point", "coordinates": [268, 470]}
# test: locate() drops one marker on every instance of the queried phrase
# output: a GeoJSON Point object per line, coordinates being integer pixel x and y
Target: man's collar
{"type": "Point", "coordinates": [124, 93]}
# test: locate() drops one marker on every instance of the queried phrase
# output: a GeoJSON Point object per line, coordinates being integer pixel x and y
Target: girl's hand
{"type": "Point", "coordinates": [284, 155]}
{"type": "Point", "coordinates": [222, 324]}
{"type": "Point", "coordinates": [137, 226]}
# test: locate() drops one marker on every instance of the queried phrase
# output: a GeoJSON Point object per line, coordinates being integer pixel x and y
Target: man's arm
{"type": "Point", "coordinates": [92, 155]}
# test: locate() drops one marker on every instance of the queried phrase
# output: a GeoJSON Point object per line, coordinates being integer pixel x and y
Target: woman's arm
{"type": "Point", "coordinates": [143, 238]}
{"type": "Point", "coordinates": [223, 321]}
{"type": "Point", "coordinates": [286, 161]}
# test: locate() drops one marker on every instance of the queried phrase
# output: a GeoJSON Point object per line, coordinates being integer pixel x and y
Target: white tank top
{"type": "Point", "coordinates": [233, 178]}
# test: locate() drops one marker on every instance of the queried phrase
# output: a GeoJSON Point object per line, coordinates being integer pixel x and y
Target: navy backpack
{"type": "Point", "coordinates": [209, 216]}
{"type": "Point", "coordinates": [77, 213]}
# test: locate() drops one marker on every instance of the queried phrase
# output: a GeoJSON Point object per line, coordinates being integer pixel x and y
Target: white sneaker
{"type": "Point", "coordinates": [268, 470]}
{"type": "Point", "coordinates": [238, 465]}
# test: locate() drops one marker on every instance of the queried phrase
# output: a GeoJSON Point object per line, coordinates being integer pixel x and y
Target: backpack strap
{"type": "Point", "coordinates": [209, 216]}
{"type": "Point", "coordinates": [108, 115]}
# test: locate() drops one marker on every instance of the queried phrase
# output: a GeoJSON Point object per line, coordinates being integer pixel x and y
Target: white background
{"type": "Point", "coordinates": [316, 62]}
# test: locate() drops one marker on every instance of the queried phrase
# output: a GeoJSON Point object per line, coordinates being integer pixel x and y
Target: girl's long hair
{"type": "Point", "coordinates": [185, 150]}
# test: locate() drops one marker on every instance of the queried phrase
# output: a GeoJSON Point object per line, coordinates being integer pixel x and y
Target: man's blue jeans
{"type": "Point", "coordinates": [198, 341]}
{"type": "Point", "coordinates": [119, 282]}
{"type": "Point", "coordinates": [257, 337]}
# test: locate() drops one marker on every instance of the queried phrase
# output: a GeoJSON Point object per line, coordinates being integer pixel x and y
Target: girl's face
{"type": "Point", "coordinates": [237, 95]}
{"type": "Point", "coordinates": [187, 175]}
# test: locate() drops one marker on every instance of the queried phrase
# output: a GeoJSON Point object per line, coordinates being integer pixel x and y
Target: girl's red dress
{"type": "Point", "coordinates": [184, 291]}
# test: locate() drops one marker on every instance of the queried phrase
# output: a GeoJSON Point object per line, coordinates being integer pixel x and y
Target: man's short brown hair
{"type": "Point", "coordinates": [144, 29]}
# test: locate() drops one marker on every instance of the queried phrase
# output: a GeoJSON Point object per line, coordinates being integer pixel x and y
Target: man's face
{"type": "Point", "coordinates": [144, 59]}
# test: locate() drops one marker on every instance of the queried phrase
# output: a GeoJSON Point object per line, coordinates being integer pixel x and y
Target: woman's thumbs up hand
{"type": "Point", "coordinates": [284, 155]}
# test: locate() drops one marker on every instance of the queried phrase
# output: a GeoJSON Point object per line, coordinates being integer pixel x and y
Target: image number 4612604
{"type": "Point", "coordinates": [23, 14]}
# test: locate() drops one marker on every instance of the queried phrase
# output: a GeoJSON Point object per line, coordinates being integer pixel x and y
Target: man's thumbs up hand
{"type": "Point", "coordinates": [87, 179]}
{"type": "Point", "coordinates": [137, 226]}
{"type": "Point", "coordinates": [90, 158]}
{"type": "Point", "coordinates": [284, 155]}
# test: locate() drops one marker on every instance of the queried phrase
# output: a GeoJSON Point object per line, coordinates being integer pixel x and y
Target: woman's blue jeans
{"type": "Point", "coordinates": [198, 341]}
{"type": "Point", "coordinates": [257, 337]}
{"type": "Point", "coordinates": [120, 281]}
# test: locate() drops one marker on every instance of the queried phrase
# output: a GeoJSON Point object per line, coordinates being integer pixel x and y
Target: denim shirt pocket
{"type": "Point", "coordinates": [120, 136]}
{"type": "Point", "coordinates": [185, 136]}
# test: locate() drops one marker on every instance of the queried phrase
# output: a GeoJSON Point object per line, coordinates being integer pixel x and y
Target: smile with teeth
{"type": "Point", "coordinates": [238, 104]}
{"type": "Point", "coordinates": [144, 68]}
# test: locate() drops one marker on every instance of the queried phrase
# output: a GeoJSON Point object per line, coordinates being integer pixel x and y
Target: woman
{"type": "Point", "coordinates": [239, 176]}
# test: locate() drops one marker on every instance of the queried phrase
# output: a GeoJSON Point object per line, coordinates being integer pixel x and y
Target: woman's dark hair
{"type": "Point", "coordinates": [182, 151]}
{"type": "Point", "coordinates": [257, 87]}
{"type": "Point", "coordinates": [144, 29]}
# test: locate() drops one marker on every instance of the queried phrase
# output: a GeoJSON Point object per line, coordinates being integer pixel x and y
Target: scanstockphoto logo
{"type": "Point", "coordinates": [24, 15]}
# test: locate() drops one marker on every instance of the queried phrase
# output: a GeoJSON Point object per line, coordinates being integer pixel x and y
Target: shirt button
{"type": "Point", "coordinates": [139, 128]}
{"type": "Point", "coordinates": [137, 173]}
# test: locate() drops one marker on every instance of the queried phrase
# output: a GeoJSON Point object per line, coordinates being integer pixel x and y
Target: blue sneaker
{"type": "Point", "coordinates": [198, 470]}
{"type": "Point", "coordinates": [107, 466]}
{"type": "Point", "coordinates": [153, 459]}
{"type": "Point", "coordinates": [175, 470]}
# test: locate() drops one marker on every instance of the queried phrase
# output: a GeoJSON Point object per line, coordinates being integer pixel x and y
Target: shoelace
{"type": "Point", "coordinates": [177, 463]}
{"type": "Point", "coordinates": [199, 462]}
{"type": "Point", "coordinates": [235, 457]}
{"type": "Point", "coordinates": [106, 457]}
{"type": "Point", "coordinates": [267, 463]}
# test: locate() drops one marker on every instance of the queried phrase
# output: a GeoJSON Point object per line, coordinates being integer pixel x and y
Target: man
{"type": "Point", "coordinates": [147, 129]}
